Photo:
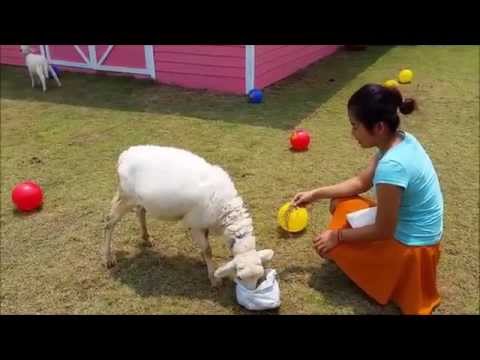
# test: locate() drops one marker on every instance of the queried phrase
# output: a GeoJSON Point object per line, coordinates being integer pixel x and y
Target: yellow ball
{"type": "Point", "coordinates": [405, 76]}
{"type": "Point", "coordinates": [391, 83]}
{"type": "Point", "coordinates": [291, 218]}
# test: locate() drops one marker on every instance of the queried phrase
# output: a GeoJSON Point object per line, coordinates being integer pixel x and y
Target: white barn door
{"type": "Point", "coordinates": [130, 59]}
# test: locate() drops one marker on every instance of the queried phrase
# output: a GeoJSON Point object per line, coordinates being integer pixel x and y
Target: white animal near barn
{"type": "Point", "coordinates": [38, 65]}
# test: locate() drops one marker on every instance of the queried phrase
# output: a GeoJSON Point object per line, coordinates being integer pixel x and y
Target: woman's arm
{"type": "Point", "coordinates": [354, 186]}
{"type": "Point", "coordinates": [388, 204]}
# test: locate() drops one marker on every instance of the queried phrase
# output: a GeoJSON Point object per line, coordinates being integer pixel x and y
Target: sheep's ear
{"type": "Point", "coordinates": [265, 255]}
{"type": "Point", "coordinates": [225, 269]}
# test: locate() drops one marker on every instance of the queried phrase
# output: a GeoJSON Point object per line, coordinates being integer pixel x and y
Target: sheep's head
{"type": "Point", "coordinates": [25, 49]}
{"type": "Point", "coordinates": [247, 267]}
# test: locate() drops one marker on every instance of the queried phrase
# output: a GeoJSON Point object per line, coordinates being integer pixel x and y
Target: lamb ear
{"type": "Point", "coordinates": [225, 269]}
{"type": "Point", "coordinates": [265, 255]}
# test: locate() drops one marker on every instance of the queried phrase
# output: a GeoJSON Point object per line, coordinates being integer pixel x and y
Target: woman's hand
{"type": "Point", "coordinates": [325, 242]}
{"type": "Point", "coordinates": [303, 198]}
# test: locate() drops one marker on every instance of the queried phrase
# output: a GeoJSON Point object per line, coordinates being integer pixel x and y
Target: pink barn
{"type": "Point", "coordinates": [226, 68]}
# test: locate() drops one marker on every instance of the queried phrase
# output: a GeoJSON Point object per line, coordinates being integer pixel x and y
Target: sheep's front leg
{"type": "Point", "coordinates": [200, 237]}
{"type": "Point", "coordinates": [143, 225]}
{"type": "Point", "coordinates": [119, 208]}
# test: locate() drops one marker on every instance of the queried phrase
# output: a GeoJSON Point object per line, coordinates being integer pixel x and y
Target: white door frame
{"type": "Point", "coordinates": [90, 61]}
{"type": "Point", "coordinates": [249, 68]}
{"type": "Point", "coordinates": [85, 65]}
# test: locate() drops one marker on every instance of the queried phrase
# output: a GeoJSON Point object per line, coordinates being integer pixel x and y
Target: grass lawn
{"type": "Point", "coordinates": [69, 138]}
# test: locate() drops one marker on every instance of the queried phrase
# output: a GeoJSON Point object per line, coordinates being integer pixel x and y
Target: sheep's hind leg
{"type": "Point", "coordinates": [200, 237]}
{"type": "Point", "coordinates": [143, 225]}
{"type": "Point", "coordinates": [32, 77]}
{"type": "Point", "coordinates": [41, 75]}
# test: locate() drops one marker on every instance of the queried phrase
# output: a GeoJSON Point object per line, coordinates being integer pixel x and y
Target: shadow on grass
{"type": "Point", "coordinates": [26, 214]}
{"type": "Point", "coordinates": [282, 234]}
{"type": "Point", "coordinates": [152, 274]}
{"type": "Point", "coordinates": [338, 290]}
{"type": "Point", "coordinates": [286, 103]}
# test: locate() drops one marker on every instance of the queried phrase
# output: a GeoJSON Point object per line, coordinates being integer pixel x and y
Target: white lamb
{"type": "Point", "coordinates": [38, 64]}
{"type": "Point", "coordinates": [174, 184]}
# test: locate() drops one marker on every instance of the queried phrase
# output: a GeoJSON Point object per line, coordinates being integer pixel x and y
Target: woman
{"type": "Point", "coordinates": [396, 257]}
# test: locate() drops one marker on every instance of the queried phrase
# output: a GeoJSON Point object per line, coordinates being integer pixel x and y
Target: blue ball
{"type": "Point", "coordinates": [57, 71]}
{"type": "Point", "coordinates": [255, 96]}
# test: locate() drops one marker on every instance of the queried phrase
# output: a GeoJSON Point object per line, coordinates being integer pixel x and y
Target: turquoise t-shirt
{"type": "Point", "coordinates": [407, 165]}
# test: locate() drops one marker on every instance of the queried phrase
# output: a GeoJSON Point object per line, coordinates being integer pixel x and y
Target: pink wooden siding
{"type": "Point", "coordinates": [68, 53]}
{"type": "Point", "coordinates": [213, 67]}
{"type": "Point", "coordinates": [275, 62]}
{"type": "Point", "coordinates": [122, 55]}
{"type": "Point", "coordinates": [11, 55]}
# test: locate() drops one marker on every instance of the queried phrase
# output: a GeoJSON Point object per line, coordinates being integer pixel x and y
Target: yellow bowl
{"type": "Point", "coordinates": [291, 218]}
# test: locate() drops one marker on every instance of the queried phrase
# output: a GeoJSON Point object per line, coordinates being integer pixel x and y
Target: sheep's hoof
{"type": "Point", "coordinates": [147, 242]}
{"type": "Point", "coordinates": [110, 262]}
{"type": "Point", "coordinates": [215, 282]}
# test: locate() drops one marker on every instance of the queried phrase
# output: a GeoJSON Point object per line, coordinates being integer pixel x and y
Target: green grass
{"type": "Point", "coordinates": [69, 139]}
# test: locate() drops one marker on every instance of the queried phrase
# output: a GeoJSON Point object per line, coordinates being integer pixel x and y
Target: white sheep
{"type": "Point", "coordinates": [38, 64]}
{"type": "Point", "coordinates": [174, 184]}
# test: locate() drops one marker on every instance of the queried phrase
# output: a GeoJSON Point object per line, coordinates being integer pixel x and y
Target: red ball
{"type": "Point", "coordinates": [300, 139]}
{"type": "Point", "coordinates": [27, 196]}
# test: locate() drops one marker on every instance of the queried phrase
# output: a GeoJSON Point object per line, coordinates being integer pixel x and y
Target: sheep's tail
{"type": "Point", "coordinates": [54, 74]}
{"type": "Point", "coordinates": [123, 155]}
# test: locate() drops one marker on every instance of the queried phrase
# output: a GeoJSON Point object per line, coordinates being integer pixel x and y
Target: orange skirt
{"type": "Point", "coordinates": [387, 270]}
